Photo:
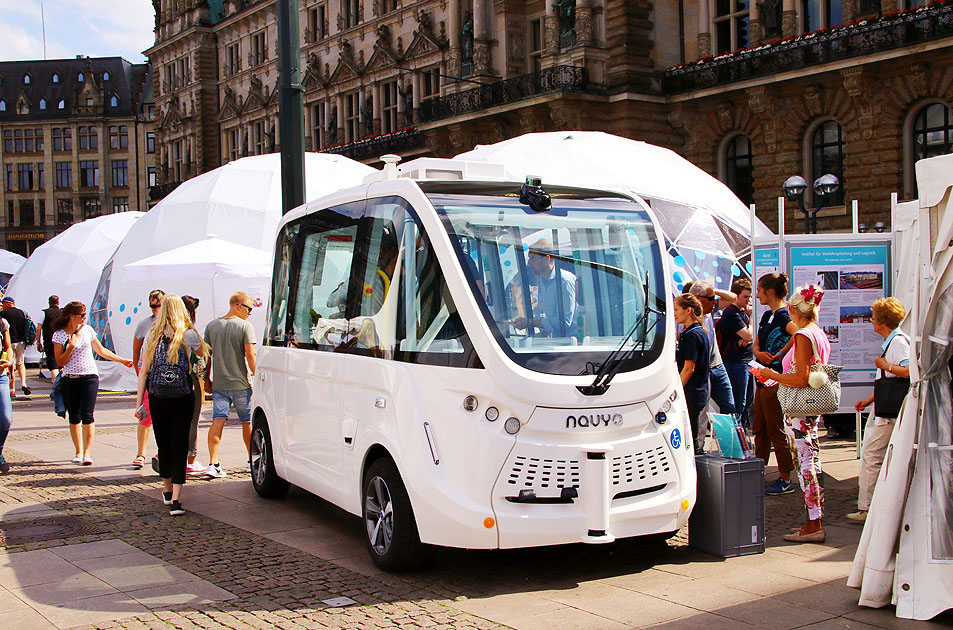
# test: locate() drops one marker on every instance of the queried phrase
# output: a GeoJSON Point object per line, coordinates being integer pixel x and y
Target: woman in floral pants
{"type": "Point", "coordinates": [810, 346]}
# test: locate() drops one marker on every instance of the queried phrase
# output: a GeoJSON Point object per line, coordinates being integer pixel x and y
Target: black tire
{"type": "Point", "coordinates": [390, 527]}
{"type": "Point", "coordinates": [264, 478]}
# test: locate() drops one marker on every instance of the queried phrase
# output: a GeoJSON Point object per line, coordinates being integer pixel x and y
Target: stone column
{"type": "Point", "coordinates": [402, 120]}
{"type": "Point", "coordinates": [584, 26]}
{"type": "Point", "coordinates": [481, 37]}
{"type": "Point", "coordinates": [456, 26]}
{"type": "Point", "coordinates": [704, 28]}
{"type": "Point", "coordinates": [415, 93]}
{"type": "Point", "coordinates": [789, 21]}
{"type": "Point", "coordinates": [340, 121]}
{"type": "Point", "coordinates": [755, 32]}
{"type": "Point", "coordinates": [378, 123]}
{"type": "Point", "coordinates": [550, 30]}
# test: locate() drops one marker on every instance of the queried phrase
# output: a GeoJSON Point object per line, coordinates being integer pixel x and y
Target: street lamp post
{"type": "Point", "coordinates": [824, 186]}
{"type": "Point", "coordinates": [794, 188]}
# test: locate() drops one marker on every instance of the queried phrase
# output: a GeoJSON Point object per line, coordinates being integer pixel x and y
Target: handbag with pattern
{"type": "Point", "coordinates": [821, 396]}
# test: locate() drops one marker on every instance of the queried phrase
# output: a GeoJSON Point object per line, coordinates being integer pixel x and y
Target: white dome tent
{"type": "Point", "coordinates": [68, 265]}
{"type": "Point", "coordinates": [10, 263]}
{"type": "Point", "coordinates": [236, 204]}
{"type": "Point", "coordinates": [707, 227]}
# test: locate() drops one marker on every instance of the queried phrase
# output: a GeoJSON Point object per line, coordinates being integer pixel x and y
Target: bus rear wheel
{"type": "Point", "coordinates": [392, 538]}
{"type": "Point", "coordinates": [264, 477]}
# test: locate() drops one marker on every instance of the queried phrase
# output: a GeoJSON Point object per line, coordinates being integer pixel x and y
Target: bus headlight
{"type": "Point", "coordinates": [470, 403]}
{"type": "Point", "coordinates": [667, 403]}
{"type": "Point", "coordinates": [512, 425]}
{"type": "Point", "coordinates": [492, 414]}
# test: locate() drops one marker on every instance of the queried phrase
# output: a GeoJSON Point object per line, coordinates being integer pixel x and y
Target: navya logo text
{"type": "Point", "coordinates": [594, 421]}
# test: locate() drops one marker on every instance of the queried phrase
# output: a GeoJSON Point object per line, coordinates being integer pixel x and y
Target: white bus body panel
{"type": "Point", "coordinates": [326, 411]}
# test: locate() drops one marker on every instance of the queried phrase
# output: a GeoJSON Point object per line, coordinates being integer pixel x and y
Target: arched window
{"type": "Point", "coordinates": [80, 77]}
{"type": "Point", "coordinates": [105, 76]}
{"type": "Point", "coordinates": [61, 105]}
{"type": "Point", "coordinates": [26, 79]}
{"type": "Point", "coordinates": [827, 156]}
{"type": "Point", "coordinates": [114, 101]}
{"type": "Point", "coordinates": [738, 168]}
{"type": "Point", "coordinates": [932, 132]}
{"type": "Point", "coordinates": [42, 103]}
{"type": "Point", "coordinates": [3, 106]}
{"type": "Point", "coordinates": [56, 77]}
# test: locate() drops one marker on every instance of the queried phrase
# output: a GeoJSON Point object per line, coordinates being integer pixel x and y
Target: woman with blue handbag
{"type": "Point", "coordinates": [811, 347]}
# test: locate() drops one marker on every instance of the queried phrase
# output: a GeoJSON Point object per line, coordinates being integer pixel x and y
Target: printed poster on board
{"type": "Point", "coordinates": [853, 278]}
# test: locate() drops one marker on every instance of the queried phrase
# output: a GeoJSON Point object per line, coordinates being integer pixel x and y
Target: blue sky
{"type": "Point", "coordinates": [98, 28]}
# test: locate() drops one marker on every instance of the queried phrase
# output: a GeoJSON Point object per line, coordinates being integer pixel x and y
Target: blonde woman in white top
{"type": "Point", "coordinates": [74, 342]}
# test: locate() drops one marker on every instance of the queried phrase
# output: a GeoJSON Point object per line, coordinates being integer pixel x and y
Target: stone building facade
{"type": "Point", "coordinates": [77, 142]}
{"type": "Point", "coordinates": [751, 92]}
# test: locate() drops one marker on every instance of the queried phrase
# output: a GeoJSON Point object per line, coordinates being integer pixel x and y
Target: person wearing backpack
{"type": "Point", "coordinates": [19, 325]}
{"type": "Point", "coordinates": [166, 374]}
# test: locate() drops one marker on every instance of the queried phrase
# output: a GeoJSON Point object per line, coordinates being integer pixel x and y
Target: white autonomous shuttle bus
{"type": "Point", "coordinates": [470, 362]}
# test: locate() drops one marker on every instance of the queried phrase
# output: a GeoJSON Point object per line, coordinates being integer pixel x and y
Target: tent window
{"type": "Point", "coordinates": [827, 156]}
{"type": "Point", "coordinates": [739, 174]}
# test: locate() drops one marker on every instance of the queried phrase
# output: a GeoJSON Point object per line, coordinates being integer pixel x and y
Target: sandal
{"type": "Point", "coordinates": [139, 462]}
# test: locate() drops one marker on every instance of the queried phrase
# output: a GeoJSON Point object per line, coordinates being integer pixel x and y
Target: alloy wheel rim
{"type": "Point", "coordinates": [259, 457]}
{"type": "Point", "coordinates": [379, 515]}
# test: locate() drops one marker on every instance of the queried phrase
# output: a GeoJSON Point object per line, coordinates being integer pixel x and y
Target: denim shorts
{"type": "Point", "coordinates": [222, 400]}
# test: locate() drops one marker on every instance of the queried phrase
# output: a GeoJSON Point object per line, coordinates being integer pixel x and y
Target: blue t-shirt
{"type": "Point", "coordinates": [732, 320]}
{"type": "Point", "coordinates": [693, 345]}
{"type": "Point", "coordinates": [773, 335]}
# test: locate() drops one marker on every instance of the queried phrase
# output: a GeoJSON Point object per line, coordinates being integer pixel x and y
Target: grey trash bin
{"type": "Point", "coordinates": [728, 519]}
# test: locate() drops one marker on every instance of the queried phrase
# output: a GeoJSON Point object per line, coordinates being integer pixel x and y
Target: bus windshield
{"type": "Point", "coordinates": [561, 289]}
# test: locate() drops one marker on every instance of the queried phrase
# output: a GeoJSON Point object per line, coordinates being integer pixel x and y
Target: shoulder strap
{"type": "Point", "coordinates": [817, 354]}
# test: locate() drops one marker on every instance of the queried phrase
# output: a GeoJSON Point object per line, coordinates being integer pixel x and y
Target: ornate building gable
{"type": "Point", "coordinates": [89, 100]}
{"type": "Point", "coordinates": [231, 106]}
{"type": "Point", "coordinates": [383, 57]}
{"type": "Point", "coordinates": [257, 98]}
{"type": "Point", "coordinates": [347, 68]}
{"type": "Point", "coordinates": [313, 78]}
{"type": "Point", "coordinates": [175, 114]}
{"type": "Point", "coordinates": [23, 105]}
{"type": "Point", "coordinates": [425, 42]}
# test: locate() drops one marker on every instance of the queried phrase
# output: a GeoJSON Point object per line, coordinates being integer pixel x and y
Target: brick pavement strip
{"type": "Point", "coordinates": [276, 586]}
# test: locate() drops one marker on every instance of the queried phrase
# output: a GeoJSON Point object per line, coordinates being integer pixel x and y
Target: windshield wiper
{"type": "Point", "coordinates": [613, 363]}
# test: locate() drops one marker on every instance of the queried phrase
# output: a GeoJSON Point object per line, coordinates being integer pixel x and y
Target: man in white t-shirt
{"type": "Point", "coordinates": [894, 363]}
{"type": "Point", "coordinates": [138, 337]}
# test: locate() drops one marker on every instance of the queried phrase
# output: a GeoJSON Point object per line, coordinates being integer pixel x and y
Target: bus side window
{"type": "Point", "coordinates": [281, 286]}
{"type": "Point", "coordinates": [322, 288]}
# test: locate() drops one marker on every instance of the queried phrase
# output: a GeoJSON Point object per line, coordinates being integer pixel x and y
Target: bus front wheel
{"type": "Point", "coordinates": [392, 538]}
{"type": "Point", "coordinates": [264, 477]}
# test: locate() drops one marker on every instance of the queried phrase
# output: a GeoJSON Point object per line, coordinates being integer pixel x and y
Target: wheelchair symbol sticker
{"type": "Point", "coordinates": [676, 439]}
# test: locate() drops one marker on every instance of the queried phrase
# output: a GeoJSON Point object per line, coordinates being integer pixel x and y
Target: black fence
{"type": "Point", "coordinates": [555, 79]}
{"type": "Point", "coordinates": [865, 37]}
{"type": "Point", "coordinates": [376, 146]}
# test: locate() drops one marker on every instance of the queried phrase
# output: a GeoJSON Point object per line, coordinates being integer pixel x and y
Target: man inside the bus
{"type": "Point", "coordinates": [554, 313]}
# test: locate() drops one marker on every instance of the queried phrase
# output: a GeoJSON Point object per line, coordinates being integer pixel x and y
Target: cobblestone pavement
{"type": "Point", "coordinates": [280, 586]}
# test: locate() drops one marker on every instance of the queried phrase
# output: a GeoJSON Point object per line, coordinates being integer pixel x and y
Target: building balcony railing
{"type": "Point", "coordinates": [922, 24]}
{"type": "Point", "coordinates": [160, 192]}
{"type": "Point", "coordinates": [401, 141]}
{"type": "Point", "coordinates": [555, 79]}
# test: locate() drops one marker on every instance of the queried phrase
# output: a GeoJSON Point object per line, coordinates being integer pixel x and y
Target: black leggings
{"type": "Point", "coordinates": [171, 418]}
{"type": "Point", "coordinates": [79, 396]}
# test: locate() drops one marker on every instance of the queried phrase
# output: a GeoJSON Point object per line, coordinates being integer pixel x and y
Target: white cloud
{"type": "Point", "coordinates": [99, 28]}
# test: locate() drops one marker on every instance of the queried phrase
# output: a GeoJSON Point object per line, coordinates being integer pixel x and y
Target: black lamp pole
{"type": "Point", "coordinates": [290, 107]}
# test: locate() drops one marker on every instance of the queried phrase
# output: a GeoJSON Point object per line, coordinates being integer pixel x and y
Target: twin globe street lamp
{"type": "Point", "coordinates": [824, 186]}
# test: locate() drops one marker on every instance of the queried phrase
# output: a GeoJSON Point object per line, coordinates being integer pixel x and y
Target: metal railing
{"type": "Point", "coordinates": [915, 26]}
{"type": "Point", "coordinates": [373, 147]}
{"type": "Point", "coordinates": [555, 79]}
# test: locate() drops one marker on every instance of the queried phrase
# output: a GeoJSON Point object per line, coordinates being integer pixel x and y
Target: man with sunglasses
{"type": "Point", "coordinates": [720, 384]}
{"type": "Point", "coordinates": [231, 361]}
{"type": "Point", "coordinates": [138, 337]}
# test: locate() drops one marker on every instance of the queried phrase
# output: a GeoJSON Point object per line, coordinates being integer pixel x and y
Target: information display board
{"type": "Point", "coordinates": [853, 277]}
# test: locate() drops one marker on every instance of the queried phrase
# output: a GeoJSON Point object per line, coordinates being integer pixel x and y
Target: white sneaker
{"type": "Point", "coordinates": [194, 469]}
{"type": "Point", "coordinates": [215, 471]}
{"type": "Point", "coordinates": [77, 460]}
